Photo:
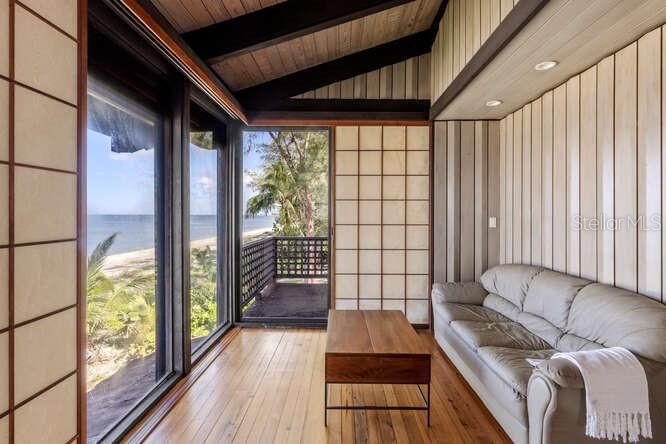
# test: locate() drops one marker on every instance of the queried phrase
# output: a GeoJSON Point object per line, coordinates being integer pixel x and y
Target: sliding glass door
{"type": "Point", "coordinates": [126, 336]}
{"type": "Point", "coordinates": [158, 186]}
{"type": "Point", "coordinates": [207, 226]}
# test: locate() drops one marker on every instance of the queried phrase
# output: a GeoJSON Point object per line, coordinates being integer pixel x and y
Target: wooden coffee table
{"type": "Point", "coordinates": [374, 347]}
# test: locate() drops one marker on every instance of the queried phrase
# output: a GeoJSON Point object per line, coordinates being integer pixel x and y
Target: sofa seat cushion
{"type": "Point", "coordinates": [466, 312]}
{"type": "Point", "coordinates": [511, 366]}
{"type": "Point", "coordinates": [502, 306]}
{"type": "Point", "coordinates": [497, 334]}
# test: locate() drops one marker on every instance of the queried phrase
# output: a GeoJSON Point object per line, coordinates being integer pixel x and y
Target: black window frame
{"type": "Point", "coordinates": [221, 139]}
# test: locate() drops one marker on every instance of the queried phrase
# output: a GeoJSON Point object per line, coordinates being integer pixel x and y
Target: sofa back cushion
{"type": "Point", "coordinates": [613, 317]}
{"type": "Point", "coordinates": [510, 281]}
{"type": "Point", "coordinates": [550, 295]}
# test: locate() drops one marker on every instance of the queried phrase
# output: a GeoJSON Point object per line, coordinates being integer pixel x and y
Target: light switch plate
{"type": "Point", "coordinates": [492, 222]}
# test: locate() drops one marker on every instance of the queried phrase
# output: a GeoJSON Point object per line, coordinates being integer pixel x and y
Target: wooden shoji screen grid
{"type": "Point", "coordinates": [382, 219]}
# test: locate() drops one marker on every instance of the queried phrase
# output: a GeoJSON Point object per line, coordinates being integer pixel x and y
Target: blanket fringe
{"type": "Point", "coordinates": [614, 425]}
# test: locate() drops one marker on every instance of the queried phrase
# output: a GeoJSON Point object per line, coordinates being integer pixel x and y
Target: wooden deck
{"type": "Point", "coordinates": [287, 300]}
{"type": "Point", "coordinates": [268, 386]}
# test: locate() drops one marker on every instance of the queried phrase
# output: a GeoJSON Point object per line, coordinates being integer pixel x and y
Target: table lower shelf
{"type": "Point", "coordinates": [424, 397]}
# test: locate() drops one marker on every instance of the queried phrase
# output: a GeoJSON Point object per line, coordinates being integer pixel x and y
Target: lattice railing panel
{"type": "Point", "coordinates": [257, 267]}
{"type": "Point", "coordinates": [301, 257]}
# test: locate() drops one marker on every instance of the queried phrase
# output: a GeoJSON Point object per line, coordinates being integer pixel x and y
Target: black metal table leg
{"type": "Point", "coordinates": [325, 404]}
{"type": "Point", "coordinates": [428, 404]}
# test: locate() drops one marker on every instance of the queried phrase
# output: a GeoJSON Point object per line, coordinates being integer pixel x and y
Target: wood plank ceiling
{"type": "Point", "coordinates": [265, 64]}
{"type": "Point", "coordinates": [187, 15]}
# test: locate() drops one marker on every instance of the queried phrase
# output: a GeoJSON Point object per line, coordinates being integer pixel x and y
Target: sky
{"type": "Point", "coordinates": [124, 183]}
{"type": "Point", "coordinates": [251, 161]}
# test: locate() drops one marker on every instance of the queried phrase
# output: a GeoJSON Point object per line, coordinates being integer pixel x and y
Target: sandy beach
{"type": "Point", "coordinates": [116, 264]}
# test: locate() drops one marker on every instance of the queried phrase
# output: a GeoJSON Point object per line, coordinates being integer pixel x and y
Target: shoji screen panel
{"type": "Point", "coordinates": [382, 219]}
{"type": "Point", "coordinates": [40, 85]}
{"type": "Point", "coordinates": [595, 173]}
{"type": "Point", "coordinates": [466, 187]}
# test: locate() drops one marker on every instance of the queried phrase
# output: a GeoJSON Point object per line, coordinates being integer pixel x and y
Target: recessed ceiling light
{"type": "Point", "coordinates": [545, 66]}
{"type": "Point", "coordinates": [492, 103]}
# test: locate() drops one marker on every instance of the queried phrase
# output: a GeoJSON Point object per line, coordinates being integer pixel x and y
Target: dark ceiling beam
{"type": "Point", "coordinates": [344, 109]}
{"type": "Point", "coordinates": [278, 23]}
{"type": "Point", "coordinates": [265, 95]}
{"type": "Point", "coordinates": [513, 23]}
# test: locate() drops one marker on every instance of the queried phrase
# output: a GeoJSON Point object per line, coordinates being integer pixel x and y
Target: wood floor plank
{"type": "Point", "coordinates": [268, 386]}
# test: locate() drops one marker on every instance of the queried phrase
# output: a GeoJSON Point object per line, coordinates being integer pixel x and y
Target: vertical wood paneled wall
{"type": "Point", "coordinates": [582, 173]}
{"type": "Point", "coordinates": [464, 27]}
{"type": "Point", "coordinates": [381, 220]}
{"type": "Point", "coordinates": [40, 80]}
{"type": "Point", "coordinates": [465, 198]}
{"type": "Point", "coordinates": [409, 79]}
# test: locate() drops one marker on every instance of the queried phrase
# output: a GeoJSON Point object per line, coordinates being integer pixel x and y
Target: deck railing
{"type": "Point", "coordinates": [266, 260]}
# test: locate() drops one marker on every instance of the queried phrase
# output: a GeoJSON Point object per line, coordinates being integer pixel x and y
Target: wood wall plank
{"type": "Point", "coordinates": [334, 90]}
{"type": "Point", "coordinates": [649, 164]}
{"type": "Point", "coordinates": [347, 89]}
{"type": "Point", "coordinates": [573, 174]}
{"type": "Point", "coordinates": [360, 85]}
{"type": "Point", "coordinates": [440, 169]}
{"type": "Point", "coordinates": [467, 239]}
{"type": "Point", "coordinates": [626, 236]}
{"type": "Point", "coordinates": [536, 222]}
{"type": "Point", "coordinates": [398, 80]}
{"type": "Point", "coordinates": [412, 78]}
{"type": "Point", "coordinates": [453, 201]}
{"type": "Point", "coordinates": [372, 85]}
{"type": "Point", "coordinates": [526, 206]}
{"type": "Point", "coordinates": [606, 169]}
{"type": "Point", "coordinates": [509, 189]}
{"type": "Point", "coordinates": [559, 179]}
{"type": "Point", "coordinates": [423, 92]}
{"type": "Point", "coordinates": [588, 173]}
{"type": "Point", "coordinates": [518, 187]}
{"type": "Point", "coordinates": [547, 179]}
{"type": "Point", "coordinates": [502, 178]}
{"type": "Point", "coordinates": [386, 82]}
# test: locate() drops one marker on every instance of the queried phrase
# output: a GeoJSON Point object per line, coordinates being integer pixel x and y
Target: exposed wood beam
{"type": "Point", "coordinates": [278, 23]}
{"type": "Point", "coordinates": [343, 109]}
{"type": "Point", "coordinates": [508, 28]}
{"type": "Point", "coordinates": [267, 94]}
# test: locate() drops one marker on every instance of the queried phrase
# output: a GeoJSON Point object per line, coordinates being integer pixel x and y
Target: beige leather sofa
{"type": "Point", "coordinates": [519, 311]}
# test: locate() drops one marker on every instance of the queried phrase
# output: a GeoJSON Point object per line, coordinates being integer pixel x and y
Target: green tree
{"type": "Point", "coordinates": [292, 182]}
{"type": "Point", "coordinates": [120, 311]}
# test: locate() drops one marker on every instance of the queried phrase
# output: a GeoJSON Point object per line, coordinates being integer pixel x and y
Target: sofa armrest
{"type": "Point", "coordinates": [556, 413]}
{"type": "Point", "coordinates": [459, 292]}
{"type": "Point", "coordinates": [563, 372]}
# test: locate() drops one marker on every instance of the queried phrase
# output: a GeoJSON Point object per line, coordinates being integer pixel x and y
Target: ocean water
{"type": "Point", "coordinates": [137, 232]}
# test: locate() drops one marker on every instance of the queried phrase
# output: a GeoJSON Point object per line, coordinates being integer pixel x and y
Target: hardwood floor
{"type": "Point", "coordinates": [267, 386]}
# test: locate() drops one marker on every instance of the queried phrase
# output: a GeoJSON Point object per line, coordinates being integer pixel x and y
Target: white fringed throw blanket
{"type": "Point", "coordinates": [616, 393]}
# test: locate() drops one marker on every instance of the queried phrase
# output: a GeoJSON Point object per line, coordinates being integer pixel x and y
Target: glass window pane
{"type": "Point", "coordinates": [205, 312]}
{"type": "Point", "coordinates": [123, 351]}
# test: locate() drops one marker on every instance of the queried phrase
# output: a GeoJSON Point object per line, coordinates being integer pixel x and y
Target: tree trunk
{"type": "Point", "coordinates": [308, 213]}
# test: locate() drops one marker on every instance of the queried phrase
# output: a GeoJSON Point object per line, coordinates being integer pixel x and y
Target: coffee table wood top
{"type": "Point", "coordinates": [379, 333]}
